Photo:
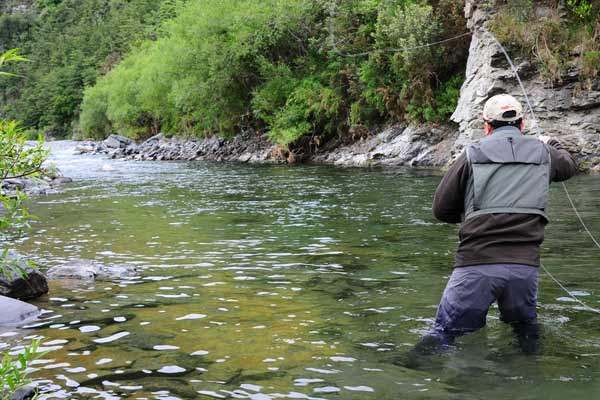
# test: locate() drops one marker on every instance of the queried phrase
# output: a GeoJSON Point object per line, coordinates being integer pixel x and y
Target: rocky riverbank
{"type": "Point", "coordinates": [431, 146]}
{"type": "Point", "coordinates": [46, 183]}
{"type": "Point", "coordinates": [395, 146]}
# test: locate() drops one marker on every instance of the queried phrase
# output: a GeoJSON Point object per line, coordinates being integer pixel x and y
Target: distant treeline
{"type": "Point", "coordinates": [69, 44]}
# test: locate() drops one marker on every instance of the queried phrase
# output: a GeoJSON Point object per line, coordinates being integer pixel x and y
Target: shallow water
{"type": "Point", "coordinates": [268, 282]}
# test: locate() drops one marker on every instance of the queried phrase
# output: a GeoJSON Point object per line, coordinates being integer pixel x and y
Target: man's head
{"type": "Point", "coordinates": [502, 110]}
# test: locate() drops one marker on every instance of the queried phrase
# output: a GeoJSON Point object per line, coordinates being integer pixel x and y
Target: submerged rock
{"type": "Point", "coordinates": [90, 270]}
{"type": "Point", "coordinates": [16, 312]}
{"type": "Point", "coordinates": [20, 281]}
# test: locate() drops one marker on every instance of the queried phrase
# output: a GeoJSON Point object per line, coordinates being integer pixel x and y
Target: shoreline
{"type": "Point", "coordinates": [430, 146]}
{"type": "Point", "coordinates": [397, 145]}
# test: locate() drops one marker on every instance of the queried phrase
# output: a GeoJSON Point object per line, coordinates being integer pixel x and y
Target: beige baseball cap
{"type": "Point", "coordinates": [502, 107]}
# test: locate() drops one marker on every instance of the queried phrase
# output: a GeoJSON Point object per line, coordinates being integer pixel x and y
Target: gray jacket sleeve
{"type": "Point", "coordinates": [449, 198]}
{"type": "Point", "coordinates": [562, 163]}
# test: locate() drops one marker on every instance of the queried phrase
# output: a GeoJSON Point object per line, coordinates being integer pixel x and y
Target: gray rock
{"type": "Point", "coordinates": [90, 270]}
{"type": "Point", "coordinates": [15, 284]}
{"type": "Point", "coordinates": [117, 142]}
{"type": "Point", "coordinates": [85, 148]}
{"type": "Point", "coordinates": [24, 393]}
{"type": "Point", "coordinates": [109, 272]}
{"type": "Point", "coordinates": [16, 312]}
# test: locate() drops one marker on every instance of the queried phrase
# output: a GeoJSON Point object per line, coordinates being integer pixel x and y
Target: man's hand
{"type": "Point", "coordinates": [550, 141]}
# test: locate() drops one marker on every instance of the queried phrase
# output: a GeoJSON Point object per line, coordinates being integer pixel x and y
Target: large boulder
{"type": "Point", "coordinates": [117, 142]}
{"type": "Point", "coordinates": [90, 270]}
{"type": "Point", "coordinates": [16, 313]}
{"type": "Point", "coordinates": [19, 280]}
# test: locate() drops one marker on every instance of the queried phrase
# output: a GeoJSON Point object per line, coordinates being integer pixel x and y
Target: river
{"type": "Point", "coordinates": [267, 282]}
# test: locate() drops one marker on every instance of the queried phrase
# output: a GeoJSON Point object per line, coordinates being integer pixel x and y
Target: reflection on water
{"type": "Point", "coordinates": [266, 282]}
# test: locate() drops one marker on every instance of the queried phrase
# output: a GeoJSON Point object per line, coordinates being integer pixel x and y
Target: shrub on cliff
{"type": "Point", "coordinates": [558, 37]}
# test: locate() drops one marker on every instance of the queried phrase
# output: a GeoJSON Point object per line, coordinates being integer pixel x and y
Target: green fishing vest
{"type": "Point", "coordinates": [510, 173]}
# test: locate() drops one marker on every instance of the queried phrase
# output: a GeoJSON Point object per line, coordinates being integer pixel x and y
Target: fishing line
{"type": "Point", "coordinates": [579, 216]}
{"type": "Point", "coordinates": [540, 131]}
{"type": "Point", "coordinates": [384, 50]}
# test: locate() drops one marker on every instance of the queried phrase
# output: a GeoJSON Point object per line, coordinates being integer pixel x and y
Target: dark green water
{"type": "Point", "coordinates": [304, 282]}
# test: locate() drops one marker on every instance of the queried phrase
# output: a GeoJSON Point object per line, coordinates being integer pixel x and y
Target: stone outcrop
{"type": "Point", "coordinates": [564, 111]}
{"type": "Point", "coordinates": [395, 146]}
{"type": "Point", "coordinates": [46, 183]}
{"type": "Point", "coordinates": [19, 280]}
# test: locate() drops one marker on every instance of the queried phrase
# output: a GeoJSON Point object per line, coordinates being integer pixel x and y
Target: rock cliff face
{"type": "Point", "coordinates": [564, 112]}
{"type": "Point", "coordinates": [16, 6]}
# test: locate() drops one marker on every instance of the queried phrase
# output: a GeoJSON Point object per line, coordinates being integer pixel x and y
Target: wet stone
{"type": "Point", "coordinates": [15, 312]}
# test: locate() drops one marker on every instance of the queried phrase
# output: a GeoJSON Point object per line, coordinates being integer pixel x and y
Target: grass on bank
{"type": "Point", "coordinates": [560, 37]}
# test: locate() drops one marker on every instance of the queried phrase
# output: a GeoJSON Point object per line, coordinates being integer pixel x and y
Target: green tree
{"type": "Point", "coordinates": [70, 43]}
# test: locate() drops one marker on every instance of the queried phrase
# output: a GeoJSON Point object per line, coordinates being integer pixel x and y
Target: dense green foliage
{"type": "Point", "coordinates": [271, 66]}
{"type": "Point", "coordinates": [566, 37]}
{"type": "Point", "coordinates": [298, 70]}
{"type": "Point", "coordinates": [70, 43]}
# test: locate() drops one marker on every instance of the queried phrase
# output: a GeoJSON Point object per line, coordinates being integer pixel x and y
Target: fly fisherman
{"type": "Point", "coordinates": [498, 190]}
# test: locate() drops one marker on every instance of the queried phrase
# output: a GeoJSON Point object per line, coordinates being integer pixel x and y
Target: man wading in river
{"type": "Point", "coordinates": [498, 190]}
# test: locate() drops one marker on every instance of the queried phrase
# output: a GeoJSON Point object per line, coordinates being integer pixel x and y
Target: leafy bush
{"type": "Point", "coordinates": [14, 374]}
{"type": "Point", "coordinates": [17, 161]}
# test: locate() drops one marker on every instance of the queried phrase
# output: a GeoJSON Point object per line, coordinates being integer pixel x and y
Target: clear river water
{"type": "Point", "coordinates": [267, 282]}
